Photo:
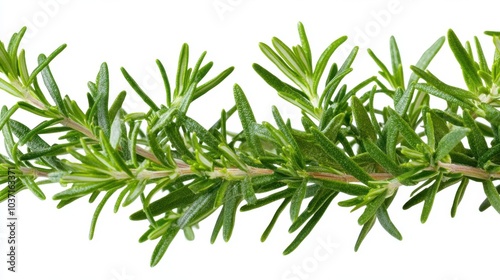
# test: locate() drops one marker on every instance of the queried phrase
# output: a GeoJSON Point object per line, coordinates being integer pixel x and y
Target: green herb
{"type": "Point", "coordinates": [184, 172]}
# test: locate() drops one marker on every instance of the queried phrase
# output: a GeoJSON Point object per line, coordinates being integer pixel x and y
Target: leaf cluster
{"type": "Point", "coordinates": [346, 148]}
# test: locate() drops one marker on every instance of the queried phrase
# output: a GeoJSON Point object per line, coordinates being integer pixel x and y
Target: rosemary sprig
{"type": "Point", "coordinates": [182, 172]}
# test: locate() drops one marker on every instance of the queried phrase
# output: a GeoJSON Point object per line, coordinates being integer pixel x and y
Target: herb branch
{"type": "Point", "coordinates": [181, 172]}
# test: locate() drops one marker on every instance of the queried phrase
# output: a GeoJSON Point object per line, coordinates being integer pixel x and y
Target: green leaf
{"type": "Point", "coordinates": [178, 141]}
{"type": "Point", "coordinates": [36, 143]}
{"type": "Point", "coordinates": [94, 196]}
{"type": "Point", "coordinates": [233, 158]}
{"type": "Point", "coordinates": [51, 85]}
{"type": "Point", "coordinates": [14, 43]}
{"type": "Point", "coordinates": [175, 199]}
{"type": "Point", "coordinates": [159, 230]}
{"type": "Point", "coordinates": [308, 227]}
{"type": "Point", "coordinates": [476, 139]}
{"type": "Point", "coordinates": [332, 85]}
{"type": "Point", "coordinates": [429, 200]}
{"type": "Point", "coordinates": [197, 74]}
{"type": "Point", "coordinates": [458, 196]}
{"type": "Point", "coordinates": [492, 195]}
{"type": "Point", "coordinates": [14, 46]}
{"type": "Point", "coordinates": [81, 190]}
{"type": "Point", "coordinates": [340, 157]}
{"type": "Point", "coordinates": [486, 203]}
{"type": "Point", "coordinates": [65, 202]}
{"type": "Point", "coordinates": [187, 99]}
{"type": "Point", "coordinates": [483, 65]}
{"type": "Point", "coordinates": [117, 159]}
{"type": "Point", "coordinates": [6, 114]}
{"type": "Point", "coordinates": [297, 199]}
{"type": "Point", "coordinates": [229, 209]}
{"type": "Point", "coordinates": [199, 209]}
{"type": "Point", "coordinates": [440, 121]}
{"type": "Point", "coordinates": [471, 77]}
{"type": "Point", "coordinates": [189, 233]}
{"type": "Point", "coordinates": [384, 70]}
{"type": "Point", "coordinates": [247, 120]}
{"type": "Point", "coordinates": [36, 130]}
{"type": "Point", "coordinates": [163, 244]}
{"type": "Point", "coordinates": [4, 193]}
{"type": "Point", "coordinates": [402, 103]}
{"type": "Point", "coordinates": [332, 129]}
{"type": "Point", "coordinates": [287, 54]}
{"type": "Point", "coordinates": [98, 212]}
{"type": "Point", "coordinates": [166, 82]}
{"type": "Point", "coordinates": [462, 102]}
{"type": "Point", "coordinates": [348, 61]}
{"type": "Point", "coordinates": [323, 61]}
{"type": "Point", "coordinates": [450, 141]}
{"type": "Point", "coordinates": [102, 83]}
{"type": "Point", "coordinates": [305, 44]}
{"type": "Point", "coordinates": [363, 122]}
{"type": "Point", "coordinates": [396, 63]}
{"type": "Point", "coordinates": [136, 190]}
{"type": "Point", "coordinates": [288, 134]}
{"type": "Point", "coordinates": [450, 90]}
{"type": "Point", "coordinates": [371, 208]}
{"type": "Point", "coordinates": [221, 192]}
{"type": "Point", "coordinates": [273, 221]}
{"type": "Point", "coordinates": [492, 114]}
{"type": "Point", "coordinates": [164, 119]}
{"type": "Point", "coordinates": [204, 88]}
{"type": "Point", "coordinates": [29, 182]}
{"type": "Point", "coordinates": [421, 196]}
{"type": "Point", "coordinates": [117, 133]}
{"type": "Point", "coordinates": [202, 185]}
{"type": "Point", "coordinates": [158, 151]}
{"type": "Point", "coordinates": [139, 91]}
{"type": "Point", "coordinates": [23, 68]}
{"type": "Point", "coordinates": [426, 59]}
{"type": "Point", "coordinates": [303, 103]}
{"type": "Point", "coordinates": [408, 133]}
{"type": "Point", "coordinates": [217, 227]}
{"type": "Point", "coordinates": [248, 191]}
{"type": "Point", "coordinates": [54, 150]}
{"type": "Point", "coordinates": [381, 158]}
{"type": "Point", "coordinates": [488, 155]}
{"type": "Point", "coordinates": [182, 71]}
{"type": "Point", "coordinates": [282, 65]}
{"type": "Point", "coordinates": [286, 193]}
{"type": "Point", "coordinates": [5, 61]}
{"type": "Point", "coordinates": [207, 137]}
{"type": "Point", "coordinates": [117, 105]}
{"type": "Point", "coordinates": [7, 87]}
{"type": "Point", "coordinates": [392, 134]}
{"type": "Point", "coordinates": [9, 142]}
{"type": "Point", "coordinates": [121, 197]}
{"type": "Point", "coordinates": [429, 130]}
{"type": "Point", "coordinates": [320, 197]}
{"type": "Point", "coordinates": [385, 221]}
{"type": "Point", "coordinates": [364, 232]}
{"type": "Point", "coordinates": [277, 84]}
{"type": "Point", "coordinates": [45, 62]}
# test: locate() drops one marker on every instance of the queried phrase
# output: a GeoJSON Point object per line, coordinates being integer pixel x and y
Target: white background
{"type": "Point", "coordinates": [53, 243]}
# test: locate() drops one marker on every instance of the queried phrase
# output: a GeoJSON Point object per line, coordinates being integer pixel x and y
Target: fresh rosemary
{"type": "Point", "coordinates": [183, 172]}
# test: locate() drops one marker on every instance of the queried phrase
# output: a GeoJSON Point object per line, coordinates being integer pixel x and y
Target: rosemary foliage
{"type": "Point", "coordinates": [182, 172]}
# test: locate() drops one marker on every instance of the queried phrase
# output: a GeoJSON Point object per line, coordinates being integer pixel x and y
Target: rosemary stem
{"type": "Point", "coordinates": [34, 172]}
{"type": "Point", "coordinates": [235, 173]}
